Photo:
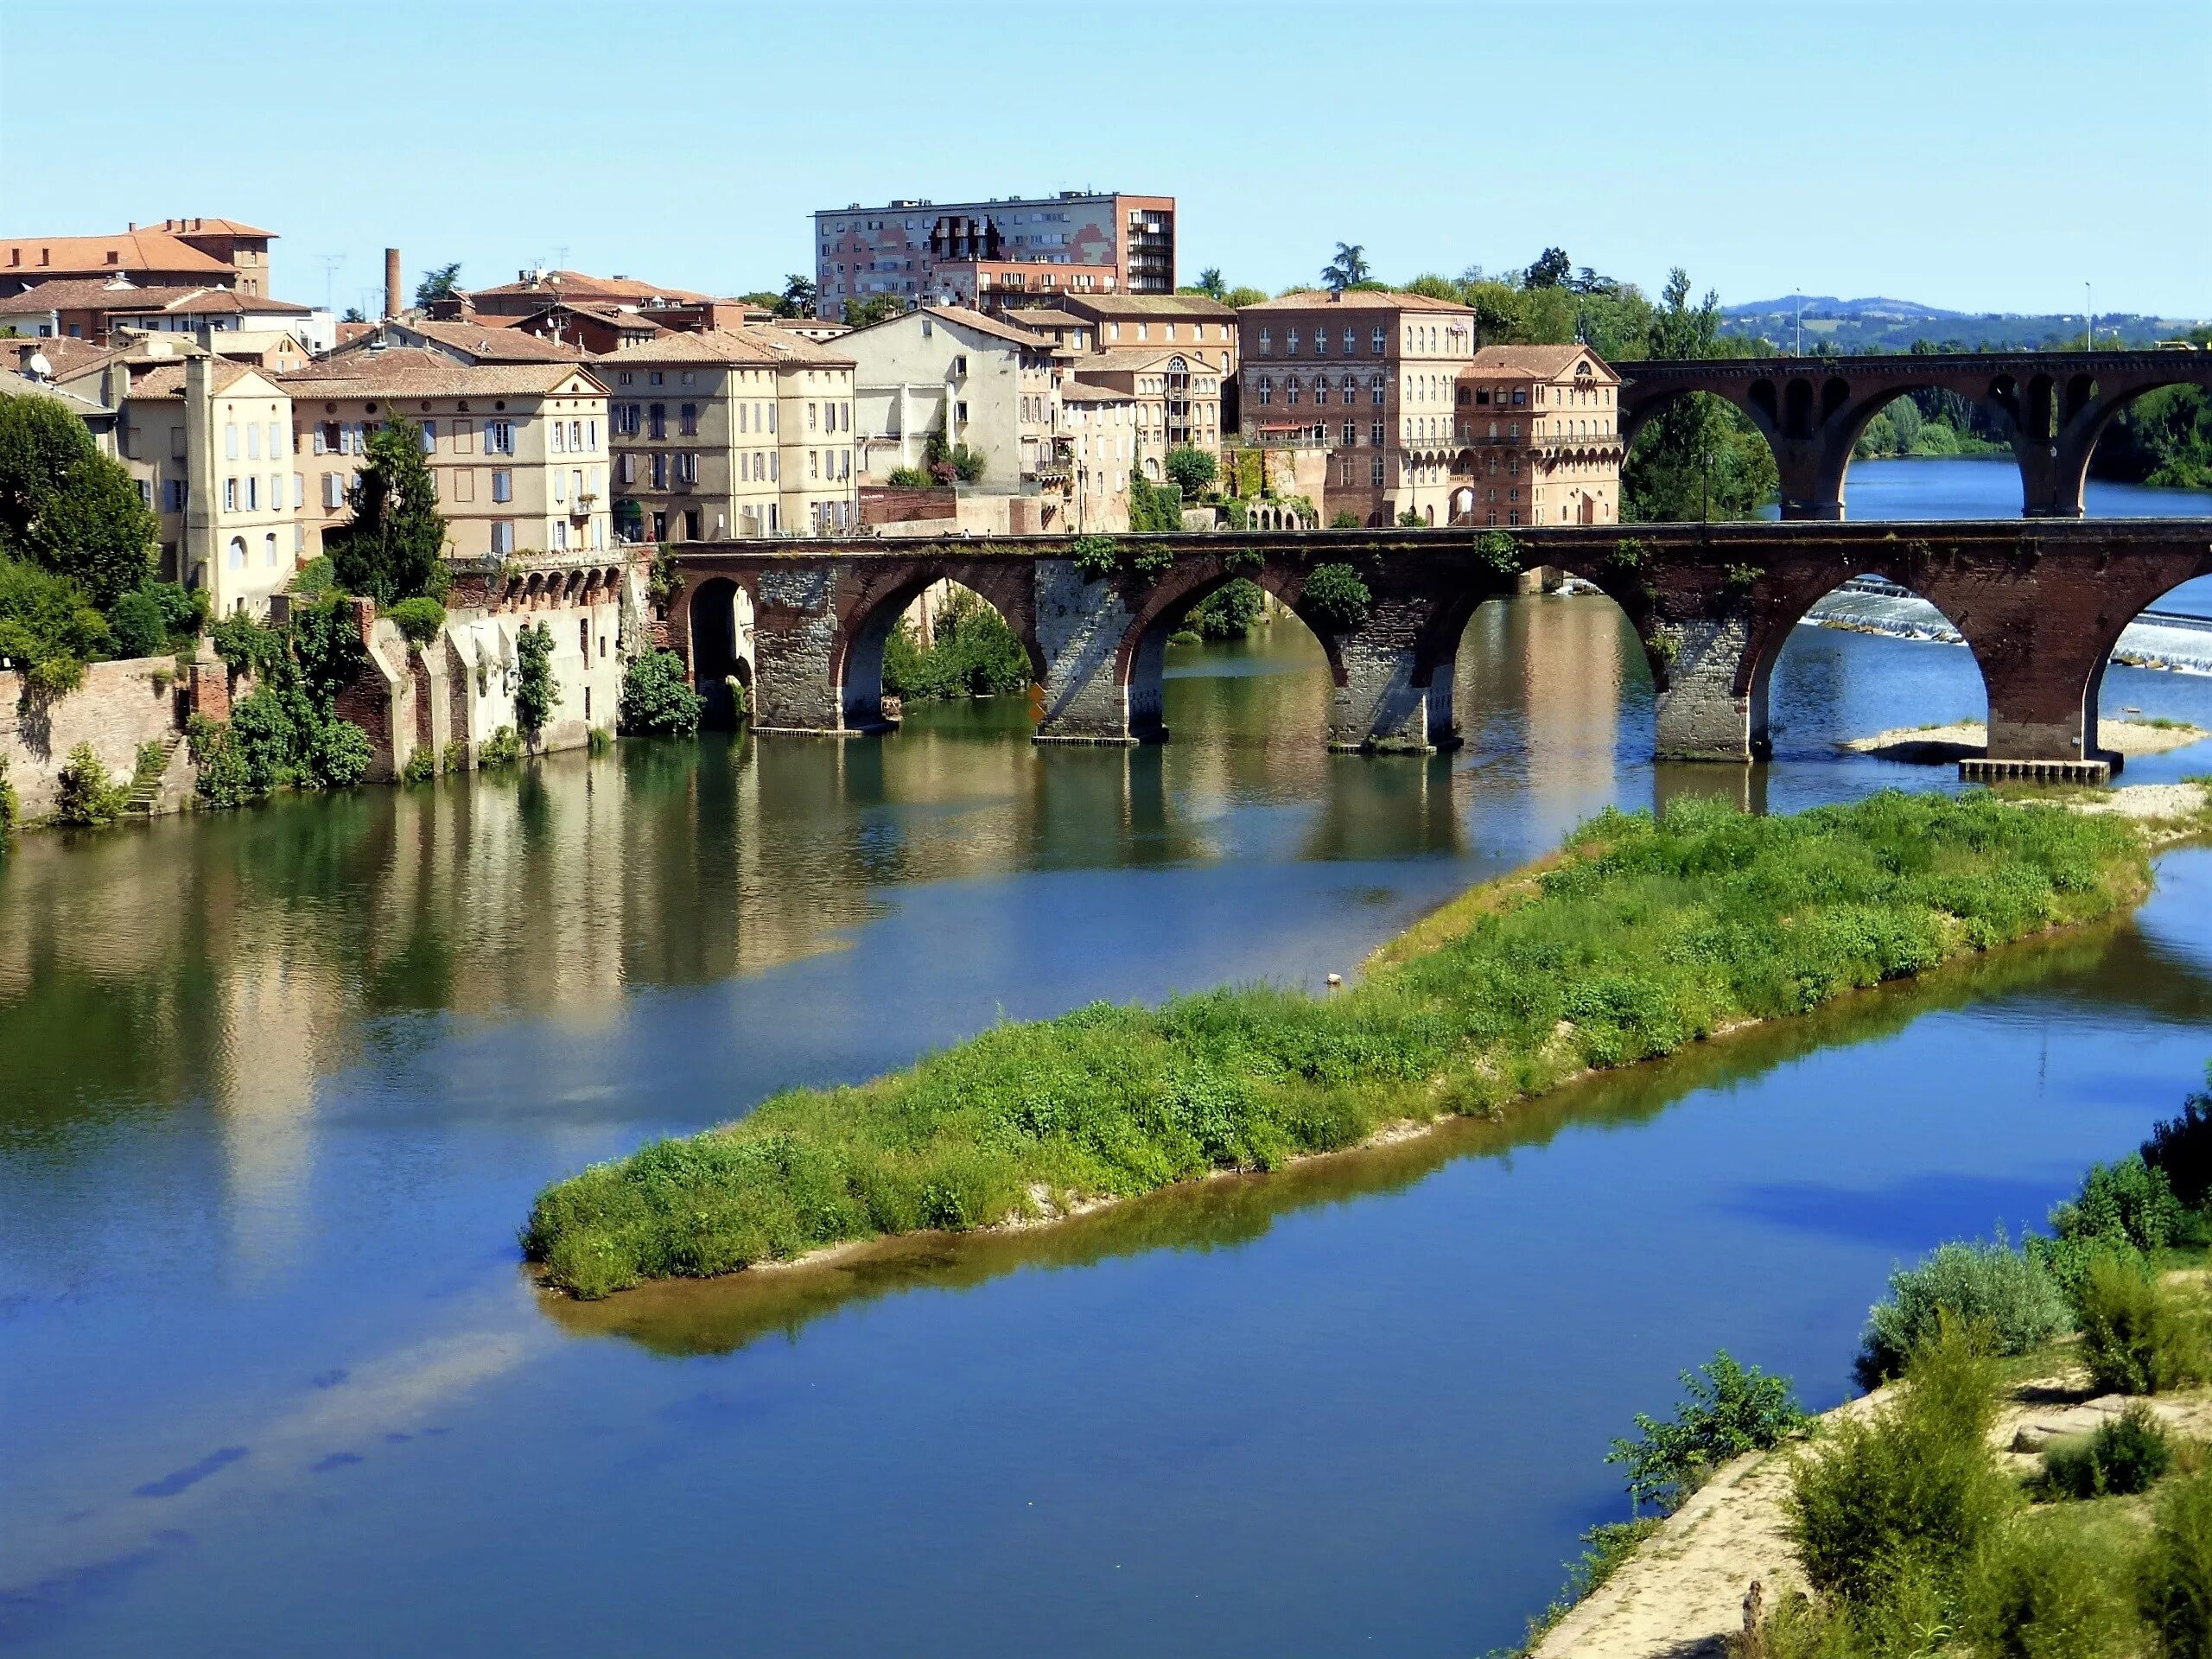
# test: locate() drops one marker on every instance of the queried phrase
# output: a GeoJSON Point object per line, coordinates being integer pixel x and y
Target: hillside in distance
{"type": "Point", "coordinates": [1879, 324]}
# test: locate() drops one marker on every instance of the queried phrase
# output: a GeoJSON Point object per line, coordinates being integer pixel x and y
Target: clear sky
{"type": "Point", "coordinates": [1973, 154]}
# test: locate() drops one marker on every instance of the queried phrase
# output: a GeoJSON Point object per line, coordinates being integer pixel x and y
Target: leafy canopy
{"type": "Point", "coordinates": [394, 548]}
{"type": "Point", "coordinates": [66, 507]}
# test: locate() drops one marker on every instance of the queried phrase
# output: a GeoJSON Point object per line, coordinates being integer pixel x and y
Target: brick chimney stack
{"type": "Point", "coordinates": [391, 282]}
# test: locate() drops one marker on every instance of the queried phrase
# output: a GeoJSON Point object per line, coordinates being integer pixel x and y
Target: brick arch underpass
{"type": "Point", "coordinates": [1812, 409]}
{"type": "Point", "coordinates": [2039, 601]}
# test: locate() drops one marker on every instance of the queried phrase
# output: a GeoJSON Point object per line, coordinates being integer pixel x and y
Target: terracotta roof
{"type": "Point", "coordinates": [576, 283]}
{"type": "Point", "coordinates": [1039, 316]}
{"type": "Point", "coordinates": [406, 371]}
{"type": "Point", "coordinates": [1150, 305]}
{"type": "Point", "coordinates": [70, 358]}
{"type": "Point", "coordinates": [1357, 299]}
{"type": "Point", "coordinates": [167, 379]}
{"type": "Point", "coordinates": [210, 226]}
{"type": "Point", "coordinates": [474, 341]}
{"type": "Point", "coordinates": [224, 299]}
{"type": "Point", "coordinates": [349, 331]}
{"type": "Point", "coordinates": [1082, 391]}
{"type": "Point", "coordinates": [94, 293]}
{"type": "Point", "coordinates": [25, 258]}
{"type": "Point", "coordinates": [1129, 358]}
{"type": "Point", "coordinates": [744, 345]}
{"type": "Point", "coordinates": [1544, 362]}
{"type": "Point", "coordinates": [984, 324]}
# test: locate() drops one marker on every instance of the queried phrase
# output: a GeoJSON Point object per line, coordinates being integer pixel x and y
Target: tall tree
{"type": "Point", "coordinates": [877, 307]}
{"type": "Point", "coordinates": [799, 297]}
{"type": "Point", "coordinates": [1348, 269]}
{"type": "Point", "coordinates": [1551, 269]}
{"type": "Point", "coordinates": [1698, 457]}
{"type": "Point", "coordinates": [394, 549]}
{"type": "Point", "coordinates": [1211, 284]}
{"type": "Point", "coordinates": [68, 507]}
{"type": "Point", "coordinates": [438, 282]}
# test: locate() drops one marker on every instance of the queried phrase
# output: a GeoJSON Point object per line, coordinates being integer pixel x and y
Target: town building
{"type": "Point", "coordinates": [1203, 330]}
{"type": "Point", "coordinates": [30, 373]}
{"type": "Point", "coordinates": [519, 452]}
{"type": "Point", "coordinates": [177, 253]}
{"type": "Point", "coordinates": [98, 309]}
{"type": "Point", "coordinates": [731, 432]}
{"type": "Point", "coordinates": [1539, 435]}
{"type": "Point", "coordinates": [1100, 432]}
{"type": "Point", "coordinates": [470, 343]}
{"type": "Point", "coordinates": [1367, 379]}
{"type": "Point", "coordinates": [533, 290]}
{"type": "Point", "coordinates": [974, 253]}
{"type": "Point", "coordinates": [972, 379]}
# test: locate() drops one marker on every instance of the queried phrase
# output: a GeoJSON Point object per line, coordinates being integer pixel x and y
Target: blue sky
{"type": "Point", "coordinates": [1975, 154]}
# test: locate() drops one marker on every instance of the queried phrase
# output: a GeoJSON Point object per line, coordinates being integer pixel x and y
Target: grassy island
{"type": "Point", "coordinates": [1643, 935]}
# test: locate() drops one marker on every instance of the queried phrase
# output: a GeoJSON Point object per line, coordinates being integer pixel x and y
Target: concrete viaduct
{"type": "Point", "coordinates": [1812, 409]}
{"type": "Point", "coordinates": [2040, 603]}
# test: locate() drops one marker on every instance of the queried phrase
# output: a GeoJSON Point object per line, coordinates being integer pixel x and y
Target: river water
{"type": "Point", "coordinates": [275, 1088]}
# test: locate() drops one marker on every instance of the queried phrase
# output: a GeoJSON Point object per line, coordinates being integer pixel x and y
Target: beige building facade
{"type": "Point", "coordinates": [977, 379]}
{"type": "Point", "coordinates": [1539, 434]}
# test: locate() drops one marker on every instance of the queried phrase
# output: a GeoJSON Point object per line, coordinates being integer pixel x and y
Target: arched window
{"type": "Point", "coordinates": [268, 549]}
{"type": "Point", "coordinates": [238, 552]}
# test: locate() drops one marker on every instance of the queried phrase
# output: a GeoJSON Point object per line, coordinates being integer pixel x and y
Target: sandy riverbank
{"type": "Point", "coordinates": [1937, 745]}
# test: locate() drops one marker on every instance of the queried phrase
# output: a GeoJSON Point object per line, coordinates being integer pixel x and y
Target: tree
{"type": "Point", "coordinates": [1193, 470]}
{"type": "Point", "coordinates": [1348, 269]}
{"type": "Point", "coordinates": [352, 314]}
{"type": "Point", "coordinates": [438, 282]}
{"type": "Point", "coordinates": [1698, 457]}
{"type": "Point", "coordinates": [657, 700]}
{"type": "Point", "coordinates": [799, 297]}
{"type": "Point", "coordinates": [877, 307]}
{"type": "Point", "coordinates": [394, 548]}
{"type": "Point", "coordinates": [1241, 298]}
{"type": "Point", "coordinates": [66, 507]}
{"type": "Point", "coordinates": [1211, 285]}
{"type": "Point", "coordinates": [1551, 269]}
{"type": "Point", "coordinates": [535, 691]}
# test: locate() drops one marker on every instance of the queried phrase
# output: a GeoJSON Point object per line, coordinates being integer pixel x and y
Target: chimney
{"type": "Point", "coordinates": [391, 282]}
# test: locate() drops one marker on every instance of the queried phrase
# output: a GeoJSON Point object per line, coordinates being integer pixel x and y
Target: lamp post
{"type": "Point", "coordinates": [2088, 320]}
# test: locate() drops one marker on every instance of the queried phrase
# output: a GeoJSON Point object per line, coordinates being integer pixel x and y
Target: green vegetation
{"type": "Point", "coordinates": [877, 307]}
{"type": "Point", "coordinates": [972, 653]}
{"type": "Point", "coordinates": [11, 805]}
{"type": "Point", "coordinates": [2164, 437]}
{"type": "Point", "coordinates": [394, 548]}
{"type": "Point", "coordinates": [438, 282]}
{"type": "Point", "coordinates": [657, 700]}
{"type": "Point", "coordinates": [535, 692]}
{"type": "Point", "coordinates": [1648, 934]}
{"type": "Point", "coordinates": [1227, 612]}
{"type": "Point", "coordinates": [943, 461]}
{"type": "Point", "coordinates": [1191, 470]}
{"type": "Point", "coordinates": [1335, 597]}
{"type": "Point", "coordinates": [1907, 427]}
{"type": "Point", "coordinates": [287, 733]}
{"type": "Point", "coordinates": [1154, 508]}
{"type": "Point", "coordinates": [1728, 1410]}
{"type": "Point", "coordinates": [421, 765]}
{"type": "Point", "coordinates": [2127, 1454]}
{"type": "Point", "coordinates": [1344, 520]}
{"type": "Point", "coordinates": [48, 627]}
{"type": "Point", "coordinates": [1499, 551]}
{"type": "Point", "coordinates": [502, 749]}
{"type": "Point", "coordinates": [2008, 1293]}
{"type": "Point", "coordinates": [911, 478]}
{"type": "Point", "coordinates": [418, 620]}
{"type": "Point", "coordinates": [84, 795]}
{"type": "Point", "coordinates": [67, 508]}
{"type": "Point", "coordinates": [1699, 457]}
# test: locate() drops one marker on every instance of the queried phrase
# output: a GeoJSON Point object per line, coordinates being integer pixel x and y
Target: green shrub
{"type": "Point", "coordinates": [535, 692]}
{"type": "Point", "coordinates": [1187, 636]}
{"type": "Point", "coordinates": [2127, 1202]}
{"type": "Point", "coordinates": [2040, 1589]}
{"type": "Point", "coordinates": [910, 478]}
{"type": "Point", "coordinates": [2180, 1149]}
{"type": "Point", "coordinates": [222, 780]}
{"type": "Point", "coordinates": [976, 653]}
{"type": "Point", "coordinates": [968, 464]}
{"type": "Point", "coordinates": [1095, 556]}
{"type": "Point", "coordinates": [1236, 512]}
{"type": "Point", "coordinates": [48, 627]}
{"type": "Point", "coordinates": [1729, 1410]}
{"type": "Point", "coordinates": [1499, 552]}
{"type": "Point", "coordinates": [84, 795]}
{"type": "Point", "coordinates": [1227, 612]}
{"type": "Point", "coordinates": [245, 646]}
{"type": "Point", "coordinates": [2174, 1585]}
{"type": "Point", "coordinates": [2124, 1456]}
{"type": "Point", "coordinates": [1335, 597]}
{"type": "Point", "coordinates": [1154, 508]}
{"type": "Point", "coordinates": [1411, 520]}
{"type": "Point", "coordinates": [11, 805]}
{"type": "Point", "coordinates": [418, 620]}
{"type": "Point", "coordinates": [502, 749]}
{"type": "Point", "coordinates": [453, 757]}
{"type": "Point", "coordinates": [2138, 1335]}
{"type": "Point", "coordinates": [1630, 553]}
{"type": "Point", "coordinates": [1191, 470]}
{"type": "Point", "coordinates": [1344, 519]}
{"type": "Point", "coordinates": [599, 740]}
{"type": "Point", "coordinates": [657, 699]}
{"type": "Point", "coordinates": [1912, 1489]}
{"type": "Point", "coordinates": [2009, 1290]}
{"type": "Point", "coordinates": [315, 581]}
{"type": "Point", "coordinates": [139, 626]}
{"type": "Point", "coordinates": [421, 765]}
{"type": "Point", "coordinates": [1606, 1547]}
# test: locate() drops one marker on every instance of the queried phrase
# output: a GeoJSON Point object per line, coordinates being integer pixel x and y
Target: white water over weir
{"type": "Point", "coordinates": [2165, 640]}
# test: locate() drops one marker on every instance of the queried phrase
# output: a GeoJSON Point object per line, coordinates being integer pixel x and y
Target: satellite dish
{"type": "Point", "coordinates": [38, 367]}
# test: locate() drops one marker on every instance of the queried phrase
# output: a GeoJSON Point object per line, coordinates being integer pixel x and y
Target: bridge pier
{"type": "Point", "coordinates": [1701, 713]}
{"type": "Point", "coordinates": [1090, 692]}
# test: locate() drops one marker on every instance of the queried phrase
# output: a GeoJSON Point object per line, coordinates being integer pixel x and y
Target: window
{"type": "Point", "coordinates": [660, 470]}
{"type": "Point", "coordinates": [1290, 391]}
{"type": "Point", "coordinates": [176, 495]}
{"type": "Point", "coordinates": [1320, 389]}
{"type": "Point", "coordinates": [230, 495]}
{"type": "Point", "coordinates": [1375, 435]}
{"type": "Point", "coordinates": [561, 535]}
{"type": "Point", "coordinates": [560, 440]}
{"type": "Point", "coordinates": [655, 378]}
{"type": "Point", "coordinates": [657, 419]}
{"type": "Point", "coordinates": [503, 485]}
{"type": "Point", "coordinates": [499, 438]}
{"type": "Point", "coordinates": [430, 437]}
{"type": "Point", "coordinates": [687, 420]}
{"type": "Point", "coordinates": [268, 549]}
{"type": "Point", "coordinates": [814, 463]}
{"type": "Point", "coordinates": [1381, 341]}
{"type": "Point", "coordinates": [690, 378]}
{"type": "Point", "coordinates": [1290, 345]}
{"type": "Point", "coordinates": [238, 553]}
{"type": "Point", "coordinates": [1378, 389]}
{"type": "Point", "coordinates": [1351, 434]}
{"type": "Point", "coordinates": [229, 441]}
{"type": "Point", "coordinates": [1267, 390]}
{"type": "Point", "coordinates": [1267, 341]}
{"type": "Point", "coordinates": [1375, 472]}
{"type": "Point", "coordinates": [1519, 396]}
{"type": "Point", "coordinates": [1514, 517]}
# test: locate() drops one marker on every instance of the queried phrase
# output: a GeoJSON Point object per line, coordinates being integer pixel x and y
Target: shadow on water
{"type": "Point", "coordinates": [2107, 960]}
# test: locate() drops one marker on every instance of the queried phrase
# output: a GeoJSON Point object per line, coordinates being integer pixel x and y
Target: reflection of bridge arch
{"type": "Point", "coordinates": [1812, 410]}
{"type": "Point", "coordinates": [1141, 655]}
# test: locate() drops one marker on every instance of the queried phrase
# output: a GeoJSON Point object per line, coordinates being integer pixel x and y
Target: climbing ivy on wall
{"type": "Point", "coordinates": [535, 692]}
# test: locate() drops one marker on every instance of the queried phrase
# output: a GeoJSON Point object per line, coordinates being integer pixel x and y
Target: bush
{"type": "Point", "coordinates": [454, 756]}
{"type": "Point", "coordinates": [2124, 1456]}
{"type": "Point", "coordinates": [2138, 1335]}
{"type": "Point", "coordinates": [2175, 1588]}
{"type": "Point", "coordinates": [315, 581]}
{"type": "Point", "coordinates": [975, 654]}
{"type": "Point", "coordinates": [138, 625]}
{"type": "Point", "coordinates": [421, 765]}
{"type": "Point", "coordinates": [48, 627]}
{"type": "Point", "coordinates": [2009, 1291]}
{"type": "Point", "coordinates": [1344, 520]}
{"type": "Point", "coordinates": [418, 620]}
{"type": "Point", "coordinates": [967, 464]}
{"type": "Point", "coordinates": [2127, 1202]}
{"type": "Point", "coordinates": [1729, 1410]}
{"type": "Point", "coordinates": [502, 749]}
{"type": "Point", "coordinates": [910, 478]}
{"type": "Point", "coordinates": [1191, 471]}
{"type": "Point", "coordinates": [1911, 1489]}
{"type": "Point", "coordinates": [222, 780]}
{"type": "Point", "coordinates": [1154, 508]}
{"type": "Point", "coordinates": [83, 793]}
{"type": "Point", "coordinates": [535, 692]}
{"type": "Point", "coordinates": [2180, 1149]}
{"type": "Point", "coordinates": [1499, 552]}
{"type": "Point", "coordinates": [1411, 520]}
{"type": "Point", "coordinates": [1095, 556]}
{"type": "Point", "coordinates": [11, 805]}
{"type": "Point", "coordinates": [599, 740]}
{"type": "Point", "coordinates": [1335, 597]}
{"type": "Point", "coordinates": [657, 700]}
{"type": "Point", "coordinates": [244, 646]}
{"type": "Point", "coordinates": [2039, 1589]}
{"type": "Point", "coordinates": [1229, 613]}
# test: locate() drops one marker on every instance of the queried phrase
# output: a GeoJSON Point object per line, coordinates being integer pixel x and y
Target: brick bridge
{"type": "Point", "coordinates": [2040, 602]}
{"type": "Point", "coordinates": [1812, 409]}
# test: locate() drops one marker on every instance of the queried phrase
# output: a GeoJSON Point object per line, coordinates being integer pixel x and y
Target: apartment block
{"type": "Point", "coordinates": [178, 252]}
{"type": "Point", "coordinates": [731, 433]}
{"type": "Point", "coordinates": [1539, 434]}
{"type": "Point", "coordinates": [973, 253]}
{"type": "Point", "coordinates": [977, 379]}
{"type": "Point", "coordinates": [520, 452]}
{"type": "Point", "coordinates": [100, 309]}
{"type": "Point", "coordinates": [1099, 427]}
{"type": "Point", "coordinates": [1370, 380]}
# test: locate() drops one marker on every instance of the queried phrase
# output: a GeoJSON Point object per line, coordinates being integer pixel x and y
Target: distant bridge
{"type": "Point", "coordinates": [1812, 409]}
{"type": "Point", "coordinates": [2040, 603]}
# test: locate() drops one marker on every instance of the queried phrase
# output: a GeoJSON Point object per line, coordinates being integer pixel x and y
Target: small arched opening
{"type": "Point", "coordinates": [931, 638]}
{"type": "Point", "coordinates": [1555, 683]}
{"type": "Point", "coordinates": [720, 616]}
{"type": "Point", "coordinates": [2151, 691]}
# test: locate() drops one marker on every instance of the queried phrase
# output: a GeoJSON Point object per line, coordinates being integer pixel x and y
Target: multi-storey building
{"type": "Point", "coordinates": [519, 451]}
{"type": "Point", "coordinates": [975, 379]}
{"type": "Point", "coordinates": [731, 433]}
{"type": "Point", "coordinates": [177, 253]}
{"type": "Point", "coordinates": [533, 290]}
{"type": "Point", "coordinates": [1369, 379]}
{"type": "Point", "coordinates": [99, 308]}
{"type": "Point", "coordinates": [1099, 431]}
{"type": "Point", "coordinates": [1177, 401]}
{"type": "Point", "coordinates": [973, 253]}
{"type": "Point", "coordinates": [1202, 329]}
{"type": "Point", "coordinates": [1538, 429]}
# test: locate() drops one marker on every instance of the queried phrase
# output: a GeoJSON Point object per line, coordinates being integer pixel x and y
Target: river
{"type": "Point", "coordinates": [277, 1087]}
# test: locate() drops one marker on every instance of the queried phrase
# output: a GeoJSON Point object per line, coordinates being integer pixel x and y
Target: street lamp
{"type": "Point", "coordinates": [2088, 320]}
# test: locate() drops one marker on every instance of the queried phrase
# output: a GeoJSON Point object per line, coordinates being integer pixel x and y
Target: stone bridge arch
{"type": "Point", "coordinates": [870, 609]}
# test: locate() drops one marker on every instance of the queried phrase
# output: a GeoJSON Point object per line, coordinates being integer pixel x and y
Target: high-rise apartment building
{"type": "Point", "coordinates": [984, 254]}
